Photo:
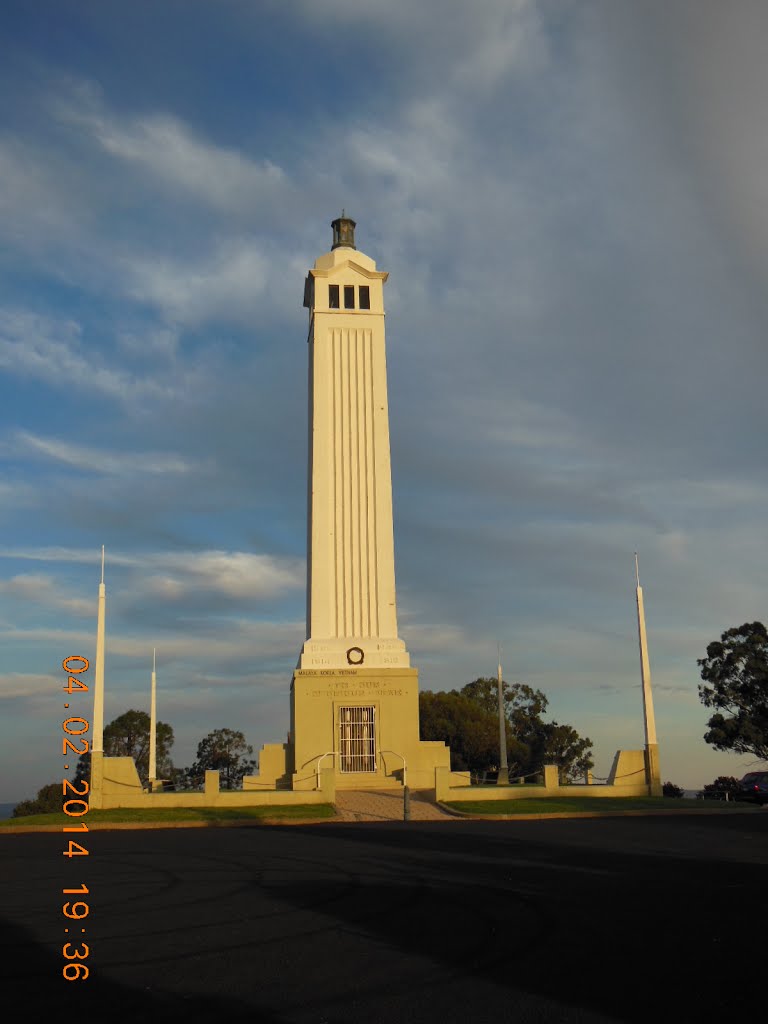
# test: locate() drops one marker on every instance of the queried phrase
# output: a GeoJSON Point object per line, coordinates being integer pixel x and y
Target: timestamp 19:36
{"type": "Point", "coordinates": [75, 806]}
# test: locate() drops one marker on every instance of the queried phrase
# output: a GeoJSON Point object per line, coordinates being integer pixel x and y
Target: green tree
{"type": "Point", "coordinates": [671, 790]}
{"type": "Point", "coordinates": [48, 800]}
{"type": "Point", "coordinates": [563, 746]}
{"type": "Point", "coordinates": [468, 720]}
{"type": "Point", "coordinates": [534, 742]}
{"type": "Point", "coordinates": [222, 750]}
{"type": "Point", "coordinates": [717, 790]}
{"type": "Point", "coordinates": [470, 730]}
{"type": "Point", "coordinates": [128, 736]}
{"type": "Point", "coordinates": [736, 671]}
{"type": "Point", "coordinates": [523, 708]}
{"type": "Point", "coordinates": [522, 704]}
{"type": "Point", "coordinates": [180, 779]}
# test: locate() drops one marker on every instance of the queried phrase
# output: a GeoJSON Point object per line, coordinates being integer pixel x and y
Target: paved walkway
{"type": "Point", "coordinates": [385, 805]}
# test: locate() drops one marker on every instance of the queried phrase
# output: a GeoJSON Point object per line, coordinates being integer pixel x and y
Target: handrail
{"type": "Point", "coordinates": [319, 761]}
{"type": "Point", "coordinates": [405, 767]}
{"type": "Point", "coordinates": [333, 753]}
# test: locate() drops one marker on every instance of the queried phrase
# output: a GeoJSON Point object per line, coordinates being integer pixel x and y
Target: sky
{"type": "Point", "coordinates": [570, 199]}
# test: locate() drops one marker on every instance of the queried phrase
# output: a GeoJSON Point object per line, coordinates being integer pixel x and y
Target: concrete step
{"type": "Point", "coordinates": [385, 805]}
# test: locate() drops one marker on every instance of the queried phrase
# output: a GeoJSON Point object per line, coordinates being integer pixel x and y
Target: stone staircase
{"type": "Point", "coordinates": [386, 805]}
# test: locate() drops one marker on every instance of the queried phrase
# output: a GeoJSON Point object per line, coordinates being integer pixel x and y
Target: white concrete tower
{"type": "Point", "coordinates": [354, 694]}
{"type": "Point", "coordinates": [653, 771]}
{"type": "Point", "coordinates": [351, 607]}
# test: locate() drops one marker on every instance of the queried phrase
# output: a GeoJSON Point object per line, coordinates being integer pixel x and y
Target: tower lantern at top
{"type": "Point", "coordinates": [343, 232]}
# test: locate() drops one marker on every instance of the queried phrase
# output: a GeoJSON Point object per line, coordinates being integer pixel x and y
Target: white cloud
{"type": "Point", "coordinates": [515, 421]}
{"type": "Point", "coordinates": [721, 96]}
{"type": "Point", "coordinates": [45, 591]}
{"type": "Point", "coordinates": [34, 206]}
{"type": "Point", "coordinates": [162, 343]}
{"type": "Point", "coordinates": [176, 576]}
{"type": "Point", "coordinates": [52, 351]}
{"type": "Point", "coordinates": [510, 39]}
{"type": "Point", "coordinates": [475, 44]}
{"type": "Point", "coordinates": [237, 575]}
{"type": "Point", "coordinates": [168, 150]}
{"type": "Point", "coordinates": [234, 642]}
{"type": "Point", "coordinates": [229, 284]}
{"type": "Point", "coordinates": [101, 461]}
{"type": "Point", "coordinates": [28, 685]}
{"type": "Point", "coordinates": [76, 555]}
{"type": "Point", "coordinates": [710, 494]}
{"type": "Point", "coordinates": [674, 546]}
{"type": "Point", "coordinates": [16, 495]}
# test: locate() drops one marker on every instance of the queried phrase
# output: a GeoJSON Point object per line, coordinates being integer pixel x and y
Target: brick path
{"type": "Point", "coordinates": [387, 805]}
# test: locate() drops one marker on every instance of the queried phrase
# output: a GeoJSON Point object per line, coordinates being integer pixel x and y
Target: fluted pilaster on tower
{"type": "Point", "coordinates": [351, 564]}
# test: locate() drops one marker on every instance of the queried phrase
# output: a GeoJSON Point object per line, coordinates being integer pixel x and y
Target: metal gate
{"type": "Point", "coordinates": [357, 739]}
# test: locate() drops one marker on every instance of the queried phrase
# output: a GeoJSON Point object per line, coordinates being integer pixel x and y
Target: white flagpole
{"type": "Point", "coordinates": [153, 727]}
{"type": "Point", "coordinates": [98, 692]}
{"type": "Point", "coordinates": [645, 667]}
{"type": "Point", "coordinates": [503, 779]}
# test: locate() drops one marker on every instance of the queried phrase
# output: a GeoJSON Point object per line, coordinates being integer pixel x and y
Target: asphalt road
{"type": "Point", "coordinates": [616, 919]}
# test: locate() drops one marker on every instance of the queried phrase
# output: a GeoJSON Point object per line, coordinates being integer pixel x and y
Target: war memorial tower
{"type": "Point", "coordinates": [351, 607]}
{"type": "Point", "coordinates": [354, 694]}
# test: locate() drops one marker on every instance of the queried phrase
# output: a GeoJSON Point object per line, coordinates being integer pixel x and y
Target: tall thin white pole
{"type": "Point", "coordinates": [98, 692]}
{"type": "Point", "coordinates": [153, 726]}
{"type": "Point", "coordinates": [645, 667]}
{"type": "Point", "coordinates": [503, 779]}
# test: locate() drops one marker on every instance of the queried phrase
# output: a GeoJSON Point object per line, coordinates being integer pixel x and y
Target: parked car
{"type": "Point", "coordinates": [754, 787]}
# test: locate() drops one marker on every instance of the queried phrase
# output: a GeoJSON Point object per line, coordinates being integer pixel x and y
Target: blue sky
{"type": "Point", "coordinates": [571, 202]}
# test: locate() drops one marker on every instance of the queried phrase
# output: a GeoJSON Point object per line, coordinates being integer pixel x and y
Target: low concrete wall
{"type": "Point", "coordinates": [274, 768]}
{"type": "Point", "coordinates": [115, 783]}
{"type": "Point", "coordinates": [628, 769]}
{"type": "Point", "coordinates": [447, 790]}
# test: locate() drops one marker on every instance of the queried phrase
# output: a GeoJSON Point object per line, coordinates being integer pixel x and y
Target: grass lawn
{"type": "Point", "coordinates": [213, 815]}
{"type": "Point", "coordinates": [595, 805]}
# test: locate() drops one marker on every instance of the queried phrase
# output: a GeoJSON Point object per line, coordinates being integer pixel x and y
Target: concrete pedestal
{"type": "Point", "coordinates": [388, 700]}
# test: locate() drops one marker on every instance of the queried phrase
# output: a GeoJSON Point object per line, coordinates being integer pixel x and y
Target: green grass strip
{"type": "Point", "coordinates": [208, 814]}
{"type": "Point", "coordinates": [596, 805]}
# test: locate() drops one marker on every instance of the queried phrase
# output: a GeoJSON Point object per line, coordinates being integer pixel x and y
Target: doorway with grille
{"type": "Point", "coordinates": [357, 739]}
